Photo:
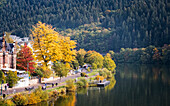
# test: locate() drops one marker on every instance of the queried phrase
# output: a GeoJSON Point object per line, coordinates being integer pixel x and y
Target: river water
{"type": "Point", "coordinates": [133, 85]}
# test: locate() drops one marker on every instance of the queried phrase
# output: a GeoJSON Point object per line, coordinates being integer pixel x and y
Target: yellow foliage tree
{"type": "Point", "coordinates": [94, 58]}
{"type": "Point", "coordinates": [67, 49]}
{"type": "Point", "coordinates": [82, 52]}
{"type": "Point", "coordinates": [8, 38]}
{"type": "Point", "coordinates": [109, 63]}
{"type": "Point", "coordinates": [49, 46]}
{"type": "Point", "coordinates": [46, 43]}
{"type": "Point", "coordinates": [61, 69]}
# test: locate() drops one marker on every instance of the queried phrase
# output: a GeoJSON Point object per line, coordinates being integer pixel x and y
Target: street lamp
{"type": "Point", "coordinates": [1, 86]}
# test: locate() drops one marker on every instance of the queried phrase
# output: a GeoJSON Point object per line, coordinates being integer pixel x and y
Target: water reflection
{"type": "Point", "coordinates": [82, 91]}
{"type": "Point", "coordinates": [66, 100]}
{"type": "Point", "coordinates": [143, 84]}
{"type": "Point", "coordinates": [145, 72]}
{"type": "Point", "coordinates": [112, 83]}
{"type": "Point", "coordinates": [133, 85]}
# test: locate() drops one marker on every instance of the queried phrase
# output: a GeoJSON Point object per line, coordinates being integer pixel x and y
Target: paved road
{"type": "Point", "coordinates": [16, 90]}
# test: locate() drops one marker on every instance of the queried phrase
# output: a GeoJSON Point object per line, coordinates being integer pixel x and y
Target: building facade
{"type": "Point", "coordinates": [7, 54]}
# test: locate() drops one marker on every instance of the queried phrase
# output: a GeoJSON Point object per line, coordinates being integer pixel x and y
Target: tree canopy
{"type": "Point", "coordinates": [94, 58]}
{"type": "Point", "coordinates": [99, 25]}
{"type": "Point", "coordinates": [61, 69]}
{"type": "Point", "coordinates": [50, 47]}
{"type": "Point", "coordinates": [108, 62]}
{"type": "Point", "coordinates": [12, 78]}
{"type": "Point", "coordinates": [25, 59]}
{"type": "Point", "coordinates": [46, 43]}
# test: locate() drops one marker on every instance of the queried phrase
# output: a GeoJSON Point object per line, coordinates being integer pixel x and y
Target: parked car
{"type": "Point", "coordinates": [29, 88]}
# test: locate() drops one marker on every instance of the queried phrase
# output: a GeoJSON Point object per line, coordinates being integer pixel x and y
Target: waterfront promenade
{"type": "Point", "coordinates": [60, 83]}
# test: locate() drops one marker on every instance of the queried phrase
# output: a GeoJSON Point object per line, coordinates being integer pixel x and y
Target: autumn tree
{"type": "Point", "coordinates": [67, 50]}
{"type": "Point", "coordinates": [80, 56]}
{"type": "Point", "coordinates": [94, 58]}
{"type": "Point", "coordinates": [8, 38]}
{"type": "Point", "coordinates": [108, 62]}
{"type": "Point", "coordinates": [50, 47]}
{"type": "Point", "coordinates": [42, 72]}
{"type": "Point", "coordinates": [61, 69]}
{"type": "Point", "coordinates": [46, 44]}
{"type": "Point", "coordinates": [25, 60]}
{"type": "Point", "coordinates": [111, 53]}
{"type": "Point", "coordinates": [38, 72]}
{"type": "Point", "coordinates": [12, 78]}
{"type": "Point", "coordinates": [82, 52]}
{"type": "Point", "coordinates": [156, 55]}
{"type": "Point", "coordinates": [80, 59]}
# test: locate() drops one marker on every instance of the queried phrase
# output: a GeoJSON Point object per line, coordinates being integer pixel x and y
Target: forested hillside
{"type": "Point", "coordinates": [100, 25]}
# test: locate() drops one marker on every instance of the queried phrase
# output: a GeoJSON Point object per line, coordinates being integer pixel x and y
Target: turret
{"type": "Point", "coordinates": [3, 43]}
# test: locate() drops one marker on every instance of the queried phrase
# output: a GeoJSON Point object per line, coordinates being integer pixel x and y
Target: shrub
{"type": "Point", "coordinates": [105, 73]}
{"type": "Point", "coordinates": [44, 96]}
{"type": "Point", "coordinates": [54, 94]}
{"type": "Point", "coordinates": [85, 82]}
{"type": "Point", "coordinates": [38, 91]}
{"type": "Point", "coordinates": [83, 74]}
{"type": "Point", "coordinates": [70, 87]}
{"type": "Point", "coordinates": [33, 98]}
{"type": "Point", "coordinates": [102, 73]}
{"type": "Point", "coordinates": [62, 90]}
{"type": "Point", "coordinates": [7, 102]}
{"type": "Point", "coordinates": [37, 96]}
{"type": "Point", "coordinates": [82, 83]}
{"type": "Point", "coordinates": [1, 102]}
{"type": "Point", "coordinates": [79, 84]}
{"type": "Point", "coordinates": [20, 99]}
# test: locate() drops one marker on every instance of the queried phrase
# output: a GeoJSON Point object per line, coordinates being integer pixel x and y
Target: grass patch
{"type": "Point", "coordinates": [92, 73]}
{"type": "Point", "coordinates": [49, 86]}
{"type": "Point", "coordinates": [57, 88]}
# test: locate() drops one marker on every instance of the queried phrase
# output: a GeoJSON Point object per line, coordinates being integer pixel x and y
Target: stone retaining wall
{"type": "Point", "coordinates": [33, 81]}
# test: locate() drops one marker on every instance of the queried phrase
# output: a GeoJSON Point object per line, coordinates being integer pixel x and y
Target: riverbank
{"type": "Point", "coordinates": [61, 82]}
{"type": "Point", "coordinates": [12, 91]}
